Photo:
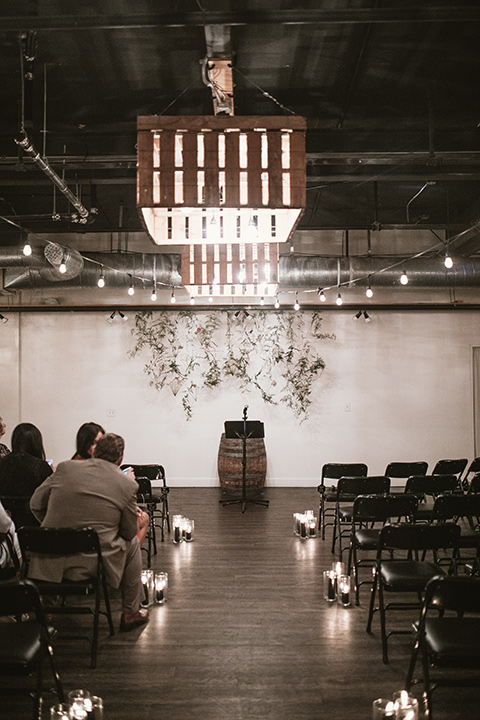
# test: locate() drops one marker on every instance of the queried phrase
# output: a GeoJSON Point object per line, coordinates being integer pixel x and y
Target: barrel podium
{"type": "Point", "coordinates": [230, 457]}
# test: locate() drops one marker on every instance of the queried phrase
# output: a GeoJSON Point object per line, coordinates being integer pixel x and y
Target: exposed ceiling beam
{"type": "Point", "coordinates": [354, 16]}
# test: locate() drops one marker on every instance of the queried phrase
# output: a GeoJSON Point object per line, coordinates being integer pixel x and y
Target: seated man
{"type": "Point", "coordinates": [97, 494]}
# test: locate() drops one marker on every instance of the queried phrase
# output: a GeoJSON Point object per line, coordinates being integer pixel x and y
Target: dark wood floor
{"type": "Point", "coordinates": [245, 634]}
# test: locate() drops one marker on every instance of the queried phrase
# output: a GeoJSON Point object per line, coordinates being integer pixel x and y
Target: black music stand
{"type": "Point", "coordinates": [244, 429]}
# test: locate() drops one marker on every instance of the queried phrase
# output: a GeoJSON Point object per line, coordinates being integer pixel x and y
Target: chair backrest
{"type": "Point", "coordinates": [8, 557]}
{"type": "Point", "coordinates": [406, 469]}
{"type": "Point", "coordinates": [453, 506]}
{"type": "Point", "coordinates": [334, 471]}
{"type": "Point", "coordinates": [144, 492]}
{"type": "Point", "coordinates": [472, 470]}
{"type": "Point", "coordinates": [450, 467]}
{"type": "Point", "coordinates": [20, 596]}
{"type": "Point", "coordinates": [409, 536]}
{"type": "Point", "coordinates": [58, 541]}
{"type": "Point", "coordinates": [380, 508]}
{"type": "Point", "coordinates": [432, 485]}
{"type": "Point", "coordinates": [151, 471]}
{"type": "Point", "coordinates": [372, 485]}
{"type": "Point", "coordinates": [19, 508]}
{"type": "Point", "coordinates": [475, 484]}
{"type": "Point", "coordinates": [454, 593]}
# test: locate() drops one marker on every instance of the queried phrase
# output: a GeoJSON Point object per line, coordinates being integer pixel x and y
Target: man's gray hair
{"type": "Point", "coordinates": [110, 447]}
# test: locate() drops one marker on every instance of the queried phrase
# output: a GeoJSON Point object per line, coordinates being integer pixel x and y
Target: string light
{"type": "Point", "coordinates": [369, 291]}
{"type": "Point", "coordinates": [297, 304]}
{"type": "Point", "coordinates": [262, 301]}
{"type": "Point", "coordinates": [339, 300]}
{"type": "Point", "coordinates": [131, 289]}
{"type": "Point", "coordinates": [173, 299]}
{"type": "Point", "coordinates": [63, 265]}
{"type": "Point", "coordinates": [322, 296]}
{"type": "Point", "coordinates": [153, 296]}
{"type": "Point", "coordinates": [192, 300]}
{"type": "Point", "coordinates": [101, 279]}
{"type": "Point", "coordinates": [277, 303]}
{"type": "Point", "coordinates": [448, 260]}
{"type": "Point", "coordinates": [27, 249]}
{"type": "Point", "coordinates": [404, 277]}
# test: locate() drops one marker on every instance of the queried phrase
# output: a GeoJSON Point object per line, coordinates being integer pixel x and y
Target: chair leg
{"type": "Point", "coordinates": [37, 698]}
{"type": "Point", "coordinates": [372, 603]}
{"type": "Point", "coordinates": [96, 618]}
{"type": "Point", "coordinates": [56, 676]}
{"type": "Point", "coordinates": [321, 518]}
{"type": "Point", "coordinates": [107, 606]}
{"type": "Point", "coordinates": [413, 662]}
{"type": "Point", "coordinates": [381, 605]}
{"type": "Point", "coordinates": [335, 530]}
{"type": "Point", "coordinates": [427, 689]}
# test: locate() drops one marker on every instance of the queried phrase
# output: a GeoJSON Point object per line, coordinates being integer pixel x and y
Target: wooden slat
{"type": "Point", "coordinates": [232, 170]}
{"type": "Point", "coordinates": [298, 175]}
{"type": "Point", "coordinates": [275, 169]}
{"type": "Point", "coordinates": [220, 122]}
{"type": "Point", "coordinates": [167, 157]}
{"type": "Point", "coordinates": [254, 169]}
{"type": "Point", "coordinates": [144, 169]}
{"type": "Point", "coordinates": [212, 195]}
{"type": "Point", "coordinates": [190, 169]}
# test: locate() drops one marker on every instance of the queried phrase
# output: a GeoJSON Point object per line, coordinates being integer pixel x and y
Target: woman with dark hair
{"type": "Point", "coordinates": [87, 437]}
{"type": "Point", "coordinates": [22, 471]}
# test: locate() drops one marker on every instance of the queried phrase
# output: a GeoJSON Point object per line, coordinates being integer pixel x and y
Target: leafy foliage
{"type": "Point", "coordinates": [273, 353]}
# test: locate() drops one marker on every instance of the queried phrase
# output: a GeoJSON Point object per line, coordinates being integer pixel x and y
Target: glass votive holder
{"type": "Point", "coordinates": [329, 586]}
{"type": "Point", "coordinates": [189, 526]}
{"type": "Point", "coordinates": [339, 568]}
{"type": "Point", "coordinates": [296, 523]}
{"type": "Point", "coordinates": [148, 586]}
{"type": "Point", "coordinates": [161, 587]}
{"type": "Point", "coordinates": [80, 704]}
{"type": "Point", "coordinates": [312, 527]}
{"type": "Point", "coordinates": [61, 711]}
{"type": "Point", "coordinates": [96, 708]}
{"type": "Point", "coordinates": [406, 706]}
{"type": "Point", "coordinates": [383, 708]}
{"type": "Point", "coordinates": [177, 523]}
{"type": "Point", "coordinates": [343, 590]}
{"type": "Point", "coordinates": [303, 527]}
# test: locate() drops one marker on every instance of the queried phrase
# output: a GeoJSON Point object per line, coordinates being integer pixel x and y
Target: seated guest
{"type": "Point", "coordinates": [23, 470]}
{"type": "Point", "coordinates": [3, 448]}
{"type": "Point", "coordinates": [96, 493]}
{"type": "Point", "coordinates": [87, 437]}
{"type": "Point", "coordinates": [7, 527]}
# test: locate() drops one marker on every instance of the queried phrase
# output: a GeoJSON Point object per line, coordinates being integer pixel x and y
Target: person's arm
{"type": "Point", "coordinates": [5, 520]}
{"type": "Point", "coordinates": [128, 522]}
{"type": "Point", "coordinates": [39, 499]}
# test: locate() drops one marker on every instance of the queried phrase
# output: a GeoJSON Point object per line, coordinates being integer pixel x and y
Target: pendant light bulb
{"type": "Point", "coordinates": [322, 296]}
{"type": "Point", "coordinates": [339, 300]}
{"type": "Point", "coordinates": [448, 261]}
{"type": "Point", "coordinates": [192, 300]}
{"type": "Point", "coordinates": [369, 292]}
{"type": "Point", "coordinates": [101, 280]}
{"type": "Point", "coordinates": [173, 299]}
{"type": "Point", "coordinates": [153, 296]}
{"type": "Point", "coordinates": [404, 277]}
{"type": "Point", "coordinates": [297, 304]}
{"type": "Point", "coordinates": [27, 249]}
{"type": "Point", "coordinates": [262, 301]}
{"type": "Point", "coordinates": [131, 290]}
{"type": "Point", "coordinates": [277, 303]}
{"type": "Point", "coordinates": [62, 268]}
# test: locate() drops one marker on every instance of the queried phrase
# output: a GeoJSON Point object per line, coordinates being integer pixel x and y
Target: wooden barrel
{"type": "Point", "coordinates": [230, 455]}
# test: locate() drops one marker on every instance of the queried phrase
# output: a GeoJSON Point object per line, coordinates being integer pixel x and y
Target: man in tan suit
{"type": "Point", "coordinates": [96, 493]}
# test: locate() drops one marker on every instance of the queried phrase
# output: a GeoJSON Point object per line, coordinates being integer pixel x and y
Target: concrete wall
{"type": "Point", "coordinates": [397, 388]}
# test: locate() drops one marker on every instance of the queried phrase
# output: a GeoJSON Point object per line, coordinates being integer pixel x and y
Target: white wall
{"type": "Point", "coordinates": [397, 388]}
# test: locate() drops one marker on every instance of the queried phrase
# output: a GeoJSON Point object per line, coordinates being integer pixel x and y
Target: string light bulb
{"type": "Point", "coordinates": [262, 301]}
{"type": "Point", "coordinates": [153, 296]}
{"type": "Point", "coordinates": [339, 300]}
{"type": "Point", "coordinates": [62, 268]}
{"type": "Point", "coordinates": [277, 303]}
{"type": "Point", "coordinates": [297, 304]}
{"type": "Point", "coordinates": [101, 279]}
{"type": "Point", "coordinates": [322, 296]}
{"type": "Point", "coordinates": [448, 261]}
{"type": "Point", "coordinates": [131, 289]}
{"type": "Point", "coordinates": [27, 249]}
{"type": "Point", "coordinates": [404, 277]}
{"type": "Point", "coordinates": [192, 300]}
{"type": "Point", "coordinates": [369, 291]}
{"type": "Point", "coordinates": [173, 299]}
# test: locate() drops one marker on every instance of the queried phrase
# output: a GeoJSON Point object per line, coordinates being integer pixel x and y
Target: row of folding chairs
{"type": "Point", "coordinates": [394, 470]}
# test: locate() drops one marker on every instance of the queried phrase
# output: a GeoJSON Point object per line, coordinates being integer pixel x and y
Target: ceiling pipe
{"type": "Point", "coordinates": [25, 143]}
{"type": "Point", "coordinates": [296, 272]}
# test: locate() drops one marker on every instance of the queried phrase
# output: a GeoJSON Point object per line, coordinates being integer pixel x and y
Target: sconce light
{"type": "Point", "coordinates": [358, 315]}
{"type": "Point", "coordinates": [123, 316]}
{"type": "Point", "coordinates": [111, 317]}
{"type": "Point", "coordinates": [365, 315]}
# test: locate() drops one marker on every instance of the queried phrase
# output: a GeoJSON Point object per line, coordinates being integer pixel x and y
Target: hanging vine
{"type": "Point", "coordinates": [272, 353]}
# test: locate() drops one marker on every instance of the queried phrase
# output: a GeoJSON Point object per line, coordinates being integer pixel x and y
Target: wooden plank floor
{"type": "Point", "coordinates": [245, 634]}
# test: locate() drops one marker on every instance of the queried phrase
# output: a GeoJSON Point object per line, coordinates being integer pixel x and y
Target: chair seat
{"type": "Point", "coordinates": [367, 539]}
{"type": "Point", "coordinates": [408, 575]}
{"type": "Point", "coordinates": [469, 540]}
{"type": "Point", "coordinates": [424, 511]}
{"type": "Point", "coordinates": [454, 641]}
{"type": "Point", "coordinates": [345, 512]}
{"type": "Point", "coordinates": [19, 646]}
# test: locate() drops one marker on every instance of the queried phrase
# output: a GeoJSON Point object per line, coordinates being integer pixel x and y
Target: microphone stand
{"type": "Point", "coordinates": [244, 500]}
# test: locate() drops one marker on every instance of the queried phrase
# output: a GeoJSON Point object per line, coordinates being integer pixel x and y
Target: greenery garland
{"type": "Point", "coordinates": [271, 352]}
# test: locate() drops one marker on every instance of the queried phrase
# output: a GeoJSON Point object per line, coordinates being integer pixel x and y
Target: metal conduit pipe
{"type": "Point", "coordinates": [25, 143]}
{"type": "Point", "coordinates": [296, 272]}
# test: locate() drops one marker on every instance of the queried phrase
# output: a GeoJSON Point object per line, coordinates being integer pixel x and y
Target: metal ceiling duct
{"type": "Point", "coordinates": [296, 272]}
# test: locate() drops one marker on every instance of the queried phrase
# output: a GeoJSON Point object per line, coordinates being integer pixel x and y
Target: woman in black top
{"type": "Point", "coordinates": [22, 471]}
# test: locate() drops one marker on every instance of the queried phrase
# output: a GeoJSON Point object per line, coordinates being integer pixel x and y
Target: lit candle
{"type": "Point", "coordinates": [406, 706]}
{"type": "Point", "coordinates": [312, 527]}
{"type": "Point", "coordinates": [147, 582]}
{"type": "Point", "coordinates": [303, 527]}
{"type": "Point", "coordinates": [189, 525]}
{"type": "Point", "coordinates": [161, 582]}
{"type": "Point", "coordinates": [177, 521]}
{"type": "Point", "coordinates": [329, 585]}
{"type": "Point", "coordinates": [344, 590]}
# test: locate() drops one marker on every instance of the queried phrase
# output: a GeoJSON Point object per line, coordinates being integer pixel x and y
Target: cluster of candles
{"type": "Point", "coordinates": [182, 529]}
{"type": "Point", "coordinates": [305, 525]}
{"type": "Point", "coordinates": [336, 584]}
{"type": "Point", "coordinates": [155, 587]}
{"type": "Point", "coordinates": [402, 707]}
{"type": "Point", "coordinates": [80, 706]}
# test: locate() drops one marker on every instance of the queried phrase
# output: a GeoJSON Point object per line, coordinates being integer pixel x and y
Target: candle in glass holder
{"type": "Point", "coordinates": [80, 704]}
{"type": "Point", "coordinates": [296, 523]}
{"type": "Point", "coordinates": [303, 527]}
{"type": "Point", "coordinates": [329, 586]}
{"type": "Point", "coordinates": [312, 527]}
{"type": "Point", "coordinates": [177, 522]}
{"type": "Point", "coordinates": [96, 711]}
{"type": "Point", "coordinates": [406, 706]}
{"type": "Point", "coordinates": [189, 527]}
{"type": "Point", "coordinates": [61, 711]}
{"type": "Point", "coordinates": [383, 708]}
{"type": "Point", "coordinates": [343, 590]}
{"type": "Point", "coordinates": [161, 585]}
{"type": "Point", "coordinates": [147, 582]}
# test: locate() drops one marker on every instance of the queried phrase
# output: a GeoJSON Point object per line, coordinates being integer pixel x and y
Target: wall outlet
{"type": "Point", "coordinates": [347, 407]}
{"type": "Point", "coordinates": [111, 413]}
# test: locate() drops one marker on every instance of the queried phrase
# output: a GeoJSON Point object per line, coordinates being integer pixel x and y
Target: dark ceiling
{"type": "Point", "coordinates": [389, 91]}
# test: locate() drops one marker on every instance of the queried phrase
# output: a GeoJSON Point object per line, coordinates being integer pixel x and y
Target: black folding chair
{"type": "Point", "coordinates": [472, 470]}
{"type": "Point", "coordinates": [458, 507]}
{"type": "Point", "coordinates": [8, 556]}
{"type": "Point", "coordinates": [445, 641]}
{"type": "Point", "coordinates": [348, 489]}
{"type": "Point", "coordinates": [158, 502]}
{"type": "Point", "coordinates": [451, 467]}
{"type": "Point", "coordinates": [51, 543]}
{"type": "Point", "coordinates": [18, 507]}
{"type": "Point", "coordinates": [427, 488]}
{"type": "Point", "coordinates": [403, 470]}
{"type": "Point", "coordinates": [334, 471]}
{"type": "Point", "coordinates": [24, 643]}
{"type": "Point", "coordinates": [407, 574]}
{"type": "Point", "coordinates": [370, 513]}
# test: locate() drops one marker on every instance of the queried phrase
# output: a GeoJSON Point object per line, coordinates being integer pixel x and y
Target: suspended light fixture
{"type": "Point", "coordinates": [277, 303]}
{"type": "Point", "coordinates": [62, 268]}
{"type": "Point", "coordinates": [321, 295]}
{"type": "Point", "coordinates": [192, 300]}
{"type": "Point", "coordinates": [339, 300]}
{"type": "Point", "coordinates": [448, 260]}
{"type": "Point", "coordinates": [262, 301]}
{"type": "Point", "coordinates": [204, 178]}
{"type": "Point", "coordinates": [297, 304]}
{"type": "Point", "coordinates": [27, 249]}
{"type": "Point", "coordinates": [131, 289]}
{"type": "Point", "coordinates": [101, 279]}
{"type": "Point", "coordinates": [153, 296]}
{"type": "Point", "coordinates": [369, 291]}
{"type": "Point", "coordinates": [173, 299]}
{"type": "Point", "coordinates": [404, 277]}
